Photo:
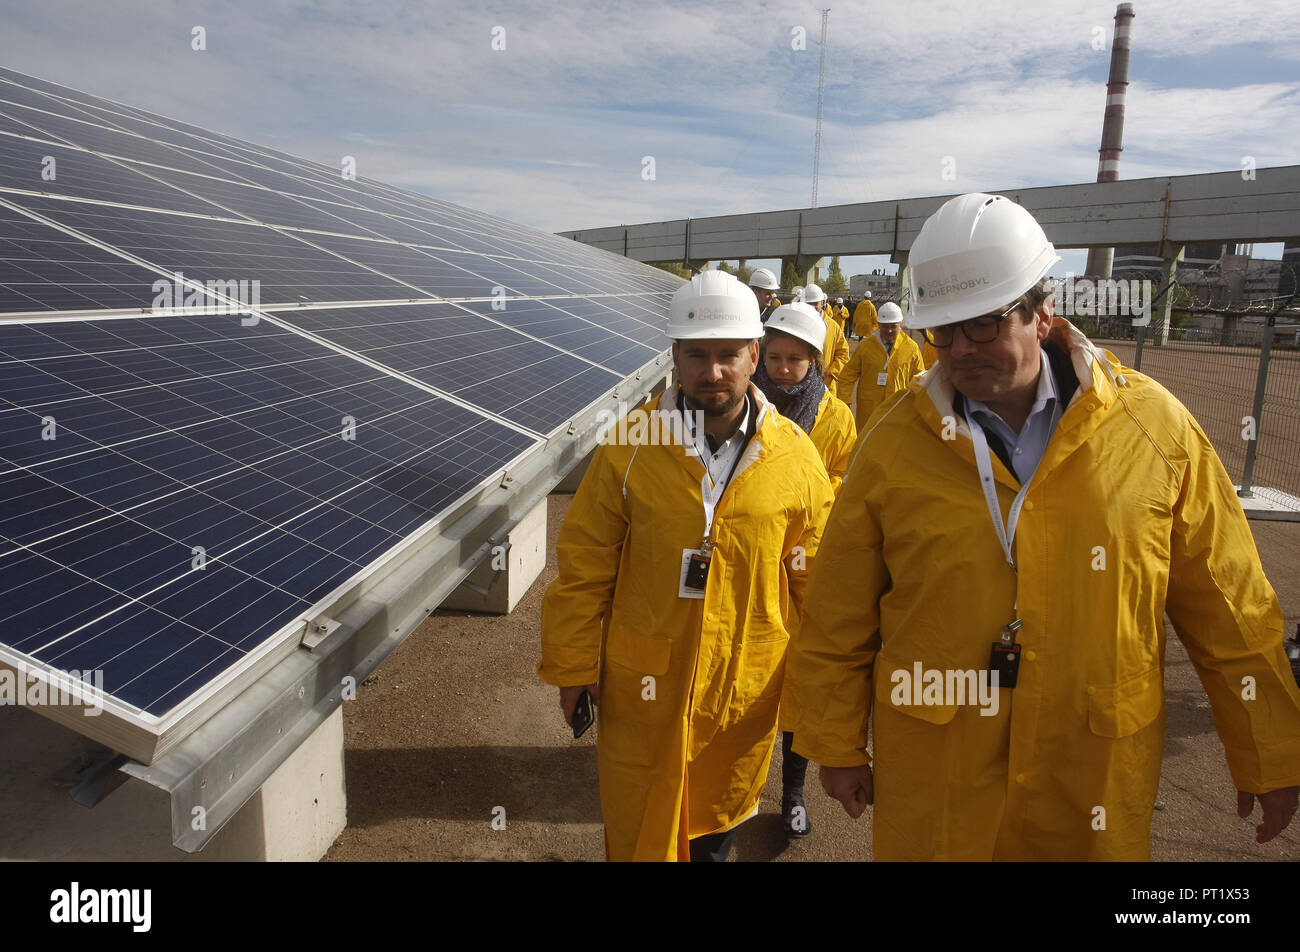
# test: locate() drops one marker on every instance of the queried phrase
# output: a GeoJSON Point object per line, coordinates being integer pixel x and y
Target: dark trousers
{"type": "Point", "coordinates": [793, 767]}
{"type": "Point", "coordinates": [713, 848]}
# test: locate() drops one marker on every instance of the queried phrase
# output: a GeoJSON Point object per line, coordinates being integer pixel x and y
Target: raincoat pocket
{"type": "Point", "coordinates": [644, 653]}
{"type": "Point", "coordinates": [1118, 710]}
{"type": "Point", "coordinates": [898, 688]}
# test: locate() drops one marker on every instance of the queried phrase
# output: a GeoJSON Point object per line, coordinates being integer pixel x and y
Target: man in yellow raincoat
{"type": "Point", "coordinates": [883, 363]}
{"type": "Point", "coordinates": [1057, 505]}
{"type": "Point", "coordinates": [864, 317]}
{"type": "Point", "coordinates": [682, 564]}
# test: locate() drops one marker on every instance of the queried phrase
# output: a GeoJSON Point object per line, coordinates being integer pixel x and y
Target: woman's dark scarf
{"type": "Point", "coordinates": [798, 403]}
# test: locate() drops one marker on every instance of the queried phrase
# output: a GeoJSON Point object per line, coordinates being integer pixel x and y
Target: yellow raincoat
{"type": "Point", "coordinates": [929, 356]}
{"type": "Point", "coordinates": [864, 369]}
{"type": "Point", "coordinates": [1129, 516]}
{"type": "Point", "coordinates": [689, 688]}
{"type": "Point", "coordinates": [864, 319]}
{"type": "Point", "coordinates": [834, 434]}
{"type": "Point", "coordinates": [835, 351]}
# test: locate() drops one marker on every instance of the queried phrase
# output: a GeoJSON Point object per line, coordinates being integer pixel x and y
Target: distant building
{"type": "Point", "coordinates": [877, 282]}
{"type": "Point", "coordinates": [1289, 277]}
{"type": "Point", "coordinates": [1143, 261]}
{"type": "Point", "coordinates": [1216, 275]}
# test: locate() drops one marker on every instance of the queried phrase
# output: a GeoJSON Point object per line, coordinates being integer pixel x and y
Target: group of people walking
{"type": "Point", "coordinates": [975, 564]}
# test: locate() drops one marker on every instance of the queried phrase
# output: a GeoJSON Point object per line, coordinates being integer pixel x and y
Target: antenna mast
{"type": "Point", "coordinates": [821, 96]}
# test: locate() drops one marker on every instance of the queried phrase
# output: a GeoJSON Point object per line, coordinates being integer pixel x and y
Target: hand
{"type": "Point", "coordinates": [852, 786]}
{"type": "Point", "coordinates": [569, 699]}
{"type": "Point", "coordinates": [1278, 806]}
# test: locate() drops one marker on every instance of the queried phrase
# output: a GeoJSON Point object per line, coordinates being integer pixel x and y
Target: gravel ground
{"type": "Point", "coordinates": [456, 724]}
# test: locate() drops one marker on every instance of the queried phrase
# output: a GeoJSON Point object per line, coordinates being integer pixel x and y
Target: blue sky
{"type": "Point", "coordinates": [551, 130]}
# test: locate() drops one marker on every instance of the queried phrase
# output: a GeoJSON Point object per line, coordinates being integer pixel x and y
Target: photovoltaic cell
{"type": "Point", "coordinates": [103, 140]}
{"type": "Point", "coordinates": [176, 433]}
{"type": "Point", "coordinates": [254, 202]}
{"type": "Point", "coordinates": [57, 170]}
{"type": "Point", "coordinates": [43, 269]}
{"type": "Point", "coordinates": [210, 250]}
{"type": "Point", "coordinates": [499, 368]}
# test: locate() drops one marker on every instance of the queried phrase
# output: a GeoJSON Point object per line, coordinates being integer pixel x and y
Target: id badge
{"type": "Point", "coordinates": [695, 573]}
{"type": "Point", "coordinates": [1005, 660]}
{"type": "Point", "coordinates": [882, 380]}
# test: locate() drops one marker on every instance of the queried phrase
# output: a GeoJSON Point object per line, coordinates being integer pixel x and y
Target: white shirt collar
{"type": "Point", "coordinates": [1043, 396]}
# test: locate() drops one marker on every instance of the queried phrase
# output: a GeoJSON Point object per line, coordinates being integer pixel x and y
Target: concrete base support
{"type": "Point", "coordinates": [501, 580]}
{"type": "Point", "coordinates": [295, 816]}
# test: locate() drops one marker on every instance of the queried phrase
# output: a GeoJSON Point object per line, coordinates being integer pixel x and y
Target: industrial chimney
{"type": "Point", "coordinates": [1112, 127]}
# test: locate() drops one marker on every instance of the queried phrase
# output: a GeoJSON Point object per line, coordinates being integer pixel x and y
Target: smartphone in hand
{"type": "Point", "coordinates": [583, 715]}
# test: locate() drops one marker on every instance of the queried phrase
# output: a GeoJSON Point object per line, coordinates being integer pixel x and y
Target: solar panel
{"type": "Point", "coordinates": [172, 433]}
{"type": "Point", "coordinates": [101, 139]}
{"type": "Point", "coordinates": [288, 271]}
{"type": "Point", "coordinates": [42, 268]}
{"type": "Point", "coordinates": [186, 479]}
{"type": "Point", "coordinates": [57, 170]}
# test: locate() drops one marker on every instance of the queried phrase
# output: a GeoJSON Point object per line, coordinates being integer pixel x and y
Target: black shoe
{"type": "Point", "coordinates": [795, 815]}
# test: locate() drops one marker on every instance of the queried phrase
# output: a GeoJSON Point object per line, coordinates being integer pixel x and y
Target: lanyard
{"type": "Point", "coordinates": [889, 352]}
{"type": "Point", "coordinates": [710, 491]}
{"type": "Point", "coordinates": [1006, 533]}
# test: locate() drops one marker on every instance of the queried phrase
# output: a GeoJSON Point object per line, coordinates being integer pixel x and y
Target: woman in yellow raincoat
{"type": "Point", "coordinates": [790, 375]}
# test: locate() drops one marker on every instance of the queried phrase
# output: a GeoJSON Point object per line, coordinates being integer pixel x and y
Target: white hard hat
{"type": "Point", "coordinates": [839, 300]}
{"type": "Point", "coordinates": [813, 293]}
{"type": "Point", "coordinates": [796, 295]}
{"type": "Point", "coordinates": [866, 296]}
{"type": "Point", "coordinates": [801, 321]}
{"type": "Point", "coordinates": [975, 255]}
{"type": "Point", "coordinates": [715, 305]}
{"type": "Point", "coordinates": [762, 278]}
{"type": "Point", "coordinates": [890, 313]}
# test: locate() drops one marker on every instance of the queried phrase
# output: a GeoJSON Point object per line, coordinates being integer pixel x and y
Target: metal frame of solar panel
{"type": "Point", "coordinates": [197, 476]}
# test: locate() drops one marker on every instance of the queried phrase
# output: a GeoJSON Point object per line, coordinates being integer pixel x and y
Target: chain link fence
{"type": "Point", "coordinates": [1239, 374]}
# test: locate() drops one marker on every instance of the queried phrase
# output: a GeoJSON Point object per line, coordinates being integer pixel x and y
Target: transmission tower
{"type": "Point", "coordinates": [821, 96]}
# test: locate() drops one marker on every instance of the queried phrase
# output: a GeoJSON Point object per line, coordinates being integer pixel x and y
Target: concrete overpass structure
{"type": "Point", "coordinates": [1169, 212]}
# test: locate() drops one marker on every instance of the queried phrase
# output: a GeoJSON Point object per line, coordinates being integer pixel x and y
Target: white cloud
{"type": "Point", "coordinates": [552, 130]}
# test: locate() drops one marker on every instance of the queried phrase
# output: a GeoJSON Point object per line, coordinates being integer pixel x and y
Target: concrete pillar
{"type": "Point", "coordinates": [295, 816]}
{"type": "Point", "coordinates": [1228, 331]}
{"type": "Point", "coordinates": [904, 280]}
{"type": "Point", "coordinates": [1172, 255]}
{"type": "Point", "coordinates": [1099, 262]}
{"type": "Point", "coordinates": [501, 579]}
{"type": "Point", "coordinates": [810, 272]}
{"type": "Point", "coordinates": [804, 266]}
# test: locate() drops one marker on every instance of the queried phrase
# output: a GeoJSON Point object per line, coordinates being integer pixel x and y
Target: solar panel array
{"type": "Point", "coordinates": [232, 379]}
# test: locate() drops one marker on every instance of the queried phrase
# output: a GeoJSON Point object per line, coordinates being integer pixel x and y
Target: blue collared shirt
{"type": "Point", "coordinates": [1026, 448]}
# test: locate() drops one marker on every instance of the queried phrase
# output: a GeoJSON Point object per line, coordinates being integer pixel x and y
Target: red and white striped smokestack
{"type": "Point", "coordinates": [1112, 127]}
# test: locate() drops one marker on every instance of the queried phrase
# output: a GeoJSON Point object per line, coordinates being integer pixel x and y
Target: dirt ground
{"type": "Point", "coordinates": [456, 724]}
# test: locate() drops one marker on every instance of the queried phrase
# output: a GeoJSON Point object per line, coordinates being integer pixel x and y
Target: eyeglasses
{"type": "Point", "coordinates": [978, 330]}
